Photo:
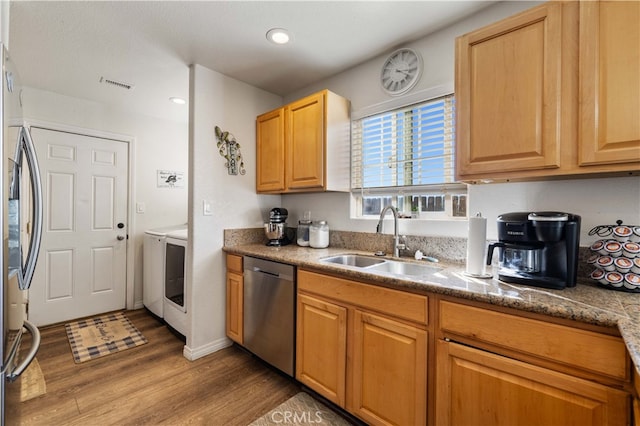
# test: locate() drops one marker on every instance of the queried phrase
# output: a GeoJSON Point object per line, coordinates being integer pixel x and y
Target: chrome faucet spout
{"type": "Point", "coordinates": [379, 228]}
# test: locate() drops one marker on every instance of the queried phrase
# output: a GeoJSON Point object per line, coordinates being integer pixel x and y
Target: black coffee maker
{"type": "Point", "coordinates": [538, 249]}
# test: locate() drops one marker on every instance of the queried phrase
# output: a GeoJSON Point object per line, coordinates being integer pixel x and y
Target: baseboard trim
{"type": "Point", "coordinates": [194, 353]}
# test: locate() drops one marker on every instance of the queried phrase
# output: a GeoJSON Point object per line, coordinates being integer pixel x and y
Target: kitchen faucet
{"type": "Point", "coordinates": [397, 246]}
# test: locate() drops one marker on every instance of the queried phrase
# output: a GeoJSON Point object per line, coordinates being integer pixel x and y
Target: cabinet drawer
{"type": "Point", "coordinates": [400, 304]}
{"type": "Point", "coordinates": [584, 349]}
{"type": "Point", "coordinates": [234, 263]}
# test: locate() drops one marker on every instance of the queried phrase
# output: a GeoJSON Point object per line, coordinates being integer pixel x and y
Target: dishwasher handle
{"type": "Point", "coordinates": [262, 271]}
{"type": "Point", "coordinates": [268, 269]}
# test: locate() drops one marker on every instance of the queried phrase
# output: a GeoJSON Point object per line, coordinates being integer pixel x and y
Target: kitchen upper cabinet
{"type": "Point", "coordinates": [305, 143]}
{"type": "Point", "coordinates": [609, 82]}
{"type": "Point", "coordinates": [321, 354]}
{"type": "Point", "coordinates": [364, 344]}
{"type": "Point", "coordinates": [550, 92]}
{"type": "Point", "coordinates": [304, 146]}
{"type": "Point", "coordinates": [270, 148]}
{"type": "Point", "coordinates": [234, 305]}
{"type": "Point", "coordinates": [508, 94]}
{"type": "Point", "coordinates": [475, 387]}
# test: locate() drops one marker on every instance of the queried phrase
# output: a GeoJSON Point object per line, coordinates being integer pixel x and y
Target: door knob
{"type": "Point", "coordinates": [120, 237]}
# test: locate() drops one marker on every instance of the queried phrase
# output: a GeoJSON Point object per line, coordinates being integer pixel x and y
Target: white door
{"type": "Point", "coordinates": [81, 270]}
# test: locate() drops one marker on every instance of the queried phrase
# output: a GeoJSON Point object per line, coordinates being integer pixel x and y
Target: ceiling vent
{"type": "Point", "coordinates": [120, 84]}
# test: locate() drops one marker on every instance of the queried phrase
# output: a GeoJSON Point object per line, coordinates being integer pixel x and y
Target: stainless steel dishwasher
{"type": "Point", "coordinates": [269, 312]}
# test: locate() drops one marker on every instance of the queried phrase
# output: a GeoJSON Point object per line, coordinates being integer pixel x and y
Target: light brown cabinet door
{"type": "Point", "coordinates": [609, 124]}
{"type": "Point", "coordinates": [388, 378]}
{"type": "Point", "coordinates": [270, 152]}
{"type": "Point", "coordinates": [321, 347]}
{"type": "Point", "coordinates": [480, 388]}
{"type": "Point", "coordinates": [508, 94]}
{"type": "Point", "coordinates": [636, 401]}
{"type": "Point", "coordinates": [235, 306]}
{"type": "Point", "coordinates": [305, 141]}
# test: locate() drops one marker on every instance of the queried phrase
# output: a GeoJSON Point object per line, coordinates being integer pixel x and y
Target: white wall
{"type": "Point", "coordinates": [4, 23]}
{"type": "Point", "coordinates": [159, 144]}
{"type": "Point", "coordinates": [598, 201]}
{"type": "Point", "coordinates": [361, 83]}
{"type": "Point", "coordinates": [217, 100]}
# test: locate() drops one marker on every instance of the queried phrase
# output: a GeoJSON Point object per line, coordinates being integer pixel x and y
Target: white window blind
{"type": "Point", "coordinates": [407, 151]}
{"type": "Point", "coordinates": [405, 147]}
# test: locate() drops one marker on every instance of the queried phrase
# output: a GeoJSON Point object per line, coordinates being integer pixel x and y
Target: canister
{"type": "Point", "coordinates": [302, 234]}
{"type": "Point", "coordinates": [319, 234]}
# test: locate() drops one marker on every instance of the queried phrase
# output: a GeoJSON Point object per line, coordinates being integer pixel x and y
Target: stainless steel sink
{"type": "Point", "coordinates": [353, 260]}
{"type": "Point", "coordinates": [404, 268]}
{"type": "Point", "coordinates": [382, 266]}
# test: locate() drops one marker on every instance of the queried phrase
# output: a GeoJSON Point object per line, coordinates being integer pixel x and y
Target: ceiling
{"type": "Point", "coordinates": [67, 46]}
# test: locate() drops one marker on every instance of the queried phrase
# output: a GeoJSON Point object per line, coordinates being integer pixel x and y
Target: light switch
{"type": "Point", "coordinates": [140, 208]}
{"type": "Point", "coordinates": [206, 208]}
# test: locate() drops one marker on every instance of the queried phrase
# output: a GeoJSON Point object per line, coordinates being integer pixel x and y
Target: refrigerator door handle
{"type": "Point", "coordinates": [36, 190]}
{"type": "Point", "coordinates": [11, 353]}
{"type": "Point", "coordinates": [35, 345]}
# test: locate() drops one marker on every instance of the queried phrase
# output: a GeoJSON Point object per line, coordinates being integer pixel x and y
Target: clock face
{"type": "Point", "coordinates": [401, 71]}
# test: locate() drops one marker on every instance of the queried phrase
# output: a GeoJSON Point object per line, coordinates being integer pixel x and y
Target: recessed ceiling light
{"type": "Point", "coordinates": [178, 101]}
{"type": "Point", "coordinates": [278, 36]}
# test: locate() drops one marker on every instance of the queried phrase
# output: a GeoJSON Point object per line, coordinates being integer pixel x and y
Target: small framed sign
{"type": "Point", "coordinates": [170, 179]}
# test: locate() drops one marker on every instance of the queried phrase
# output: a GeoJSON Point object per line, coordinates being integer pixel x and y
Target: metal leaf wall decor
{"type": "Point", "coordinates": [229, 148]}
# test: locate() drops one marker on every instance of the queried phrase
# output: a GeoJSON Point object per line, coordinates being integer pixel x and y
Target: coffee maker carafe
{"type": "Point", "coordinates": [538, 249]}
{"type": "Point", "coordinates": [276, 228]}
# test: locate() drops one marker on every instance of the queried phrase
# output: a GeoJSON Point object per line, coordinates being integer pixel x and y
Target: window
{"type": "Point", "coordinates": [405, 157]}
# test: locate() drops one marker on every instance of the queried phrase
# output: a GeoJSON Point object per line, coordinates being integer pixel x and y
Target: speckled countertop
{"type": "Point", "coordinates": [585, 303]}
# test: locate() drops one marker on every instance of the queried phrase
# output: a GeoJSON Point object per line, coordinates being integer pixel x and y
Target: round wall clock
{"type": "Point", "coordinates": [401, 71]}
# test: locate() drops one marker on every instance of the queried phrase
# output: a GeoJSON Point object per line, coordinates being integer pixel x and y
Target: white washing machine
{"type": "Point", "coordinates": [153, 254]}
{"type": "Point", "coordinates": [175, 281]}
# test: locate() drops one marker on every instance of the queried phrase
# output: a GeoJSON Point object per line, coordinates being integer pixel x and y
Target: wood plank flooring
{"type": "Point", "coordinates": [152, 384]}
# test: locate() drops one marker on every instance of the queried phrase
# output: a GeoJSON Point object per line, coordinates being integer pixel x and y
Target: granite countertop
{"type": "Point", "coordinates": [585, 303]}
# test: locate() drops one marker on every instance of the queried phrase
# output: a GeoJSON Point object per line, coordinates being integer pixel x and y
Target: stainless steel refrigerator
{"type": "Point", "coordinates": [20, 210]}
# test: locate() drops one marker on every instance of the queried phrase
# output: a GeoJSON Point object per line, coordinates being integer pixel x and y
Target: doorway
{"type": "Point", "coordinates": [82, 268]}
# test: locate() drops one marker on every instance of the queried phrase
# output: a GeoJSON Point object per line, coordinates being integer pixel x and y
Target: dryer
{"type": "Point", "coordinates": [153, 259]}
{"type": "Point", "coordinates": [175, 281]}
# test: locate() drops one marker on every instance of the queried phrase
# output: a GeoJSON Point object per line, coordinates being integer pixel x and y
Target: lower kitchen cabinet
{"type": "Point", "coordinates": [363, 347]}
{"type": "Point", "coordinates": [234, 304]}
{"type": "Point", "coordinates": [501, 368]}
{"type": "Point", "coordinates": [393, 357]}
{"type": "Point", "coordinates": [321, 357]}
{"type": "Point", "coordinates": [388, 380]}
{"type": "Point", "coordinates": [476, 387]}
{"type": "Point", "coordinates": [636, 401]}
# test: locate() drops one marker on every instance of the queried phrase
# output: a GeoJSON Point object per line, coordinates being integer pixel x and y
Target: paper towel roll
{"type": "Point", "coordinates": [476, 245]}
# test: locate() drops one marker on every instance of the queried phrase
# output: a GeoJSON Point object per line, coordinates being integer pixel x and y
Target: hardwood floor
{"type": "Point", "coordinates": [150, 385]}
